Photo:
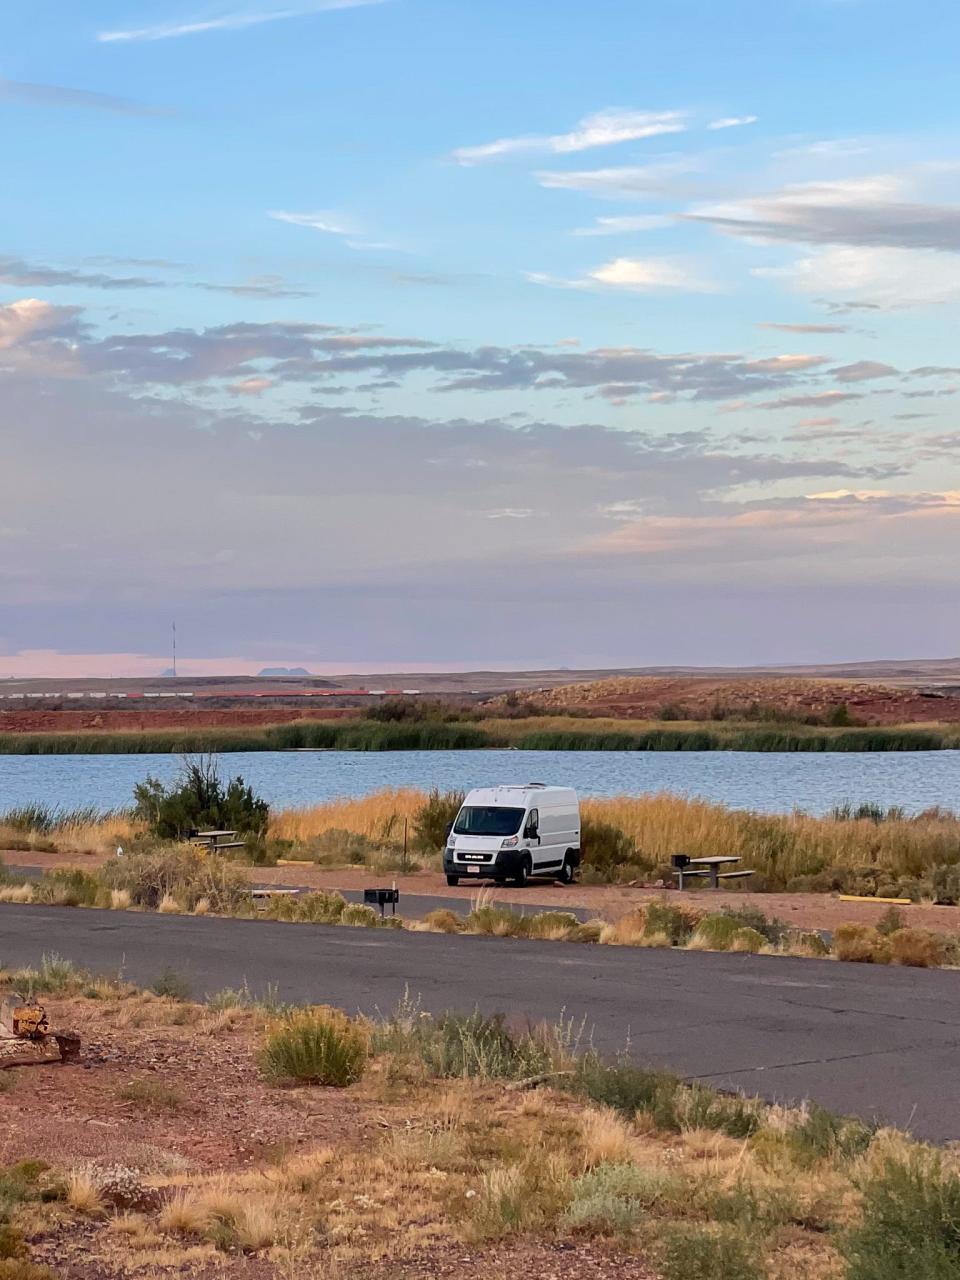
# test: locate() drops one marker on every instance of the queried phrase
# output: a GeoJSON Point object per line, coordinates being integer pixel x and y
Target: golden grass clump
{"type": "Point", "coordinates": [378, 816]}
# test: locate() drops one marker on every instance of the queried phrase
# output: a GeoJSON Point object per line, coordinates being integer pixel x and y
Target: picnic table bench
{"type": "Point", "coordinates": [214, 841]}
{"type": "Point", "coordinates": [708, 867]}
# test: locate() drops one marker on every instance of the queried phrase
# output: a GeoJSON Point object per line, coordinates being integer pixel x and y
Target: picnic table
{"type": "Point", "coordinates": [214, 841]}
{"type": "Point", "coordinates": [707, 867]}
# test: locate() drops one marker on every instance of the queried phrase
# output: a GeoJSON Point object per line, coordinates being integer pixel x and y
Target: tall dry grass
{"type": "Point", "coordinates": [74, 837]}
{"type": "Point", "coordinates": [781, 846]}
{"type": "Point", "coordinates": [379, 817]}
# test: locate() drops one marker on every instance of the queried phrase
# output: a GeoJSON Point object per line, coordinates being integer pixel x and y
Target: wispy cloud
{"type": "Point", "coordinates": [624, 181]}
{"type": "Point", "coordinates": [804, 328]}
{"type": "Point", "coordinates": [333, 224]}
{"type": "Point", "coordinates": [616, 226]}
{"type": "Point", "coordinates": [633, 275]}
{"type": "Point", "coordinates": [25, 94]}
{"type": "Point", "coordinates": [603, 129]}
{"type": "Point", "coordinates": [732, 122]}
{"type": "Point", "coordinates": [226, 22]}
{"type": "Point", "coordinates": [27, 274]}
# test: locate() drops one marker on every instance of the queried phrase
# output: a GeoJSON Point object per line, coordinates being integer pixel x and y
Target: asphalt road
{"type": "Point", "coordinates": [878, 1042]}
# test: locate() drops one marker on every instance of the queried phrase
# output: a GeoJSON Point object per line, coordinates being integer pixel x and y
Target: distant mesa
{"type": "Point", "coordinates": [168, 672]}
{"type": "Point", "coordinates": [283, 671]}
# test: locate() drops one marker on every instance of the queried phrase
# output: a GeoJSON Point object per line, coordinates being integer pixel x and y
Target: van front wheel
{"type": "Point", "coordinates": [567, 871]}
{"type": "Point", "coordinates": [523, 872]}
{"type": "Point", "coordinates": [453, 881]}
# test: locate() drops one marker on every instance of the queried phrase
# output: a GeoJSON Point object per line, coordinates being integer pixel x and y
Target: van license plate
{"type": "Point", "coordinates": [474, 871]}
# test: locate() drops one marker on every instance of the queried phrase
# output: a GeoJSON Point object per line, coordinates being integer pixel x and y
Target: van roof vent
{"type": "Point", "coordinates": [536, 784]}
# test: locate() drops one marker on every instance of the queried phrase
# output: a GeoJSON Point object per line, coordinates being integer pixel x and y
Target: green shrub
{"type": "Point", "coordinates": [910, 1225]}
{"type": "Point", "coordinates": [891, 920]}
{"type": "Point", "coordinates": [68, 887]}
{"type": "Point", "coordinates": [629, 1089]}
{"type": "Point", "coordinates": [461, 1046]}
{"type": "Point", "coordinates": [945, 881]}
{"type": "Point", "coordinates": [171, 985]}
{"type": "Point", "coordinates": [677, 923]}
{"type": "Point", "coordinates": [554, 925]}
{"type": "Point", "coordinates": [715, 933]}
{"type": "Point", "coordinates": [616, 1197]}
{"type": "Point", "coordinates": [822, 1135]}
{"type": "Point", "coordinates": [710, 1253]}
{"type": "Point", "coordinates": [731, 1113]}
{"type": "Point", "coordinates": [335, 847]}
{"type": "Point", "coordinates": [501, 922]}
{"type": "Point", "coordinates": [199, 801]}
{"type": "Point", "coordinates": [314, 1046]}
{"type": "Point", "coordinates": [318, 907]}
{"type": "Point", "coordinates": [604, 846]}
{"type": "Point", "coordinates": [435, 817]}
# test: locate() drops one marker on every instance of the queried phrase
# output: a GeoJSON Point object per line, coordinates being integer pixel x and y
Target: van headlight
{"type": "Point", "coordinates": [510, 842]}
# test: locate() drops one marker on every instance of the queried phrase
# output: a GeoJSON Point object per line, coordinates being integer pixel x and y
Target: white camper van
{"type": "Point", "coordinates": [513, 833]}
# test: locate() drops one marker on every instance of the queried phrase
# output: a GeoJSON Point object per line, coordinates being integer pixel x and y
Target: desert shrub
{"type": "Point", "coordinates": [945, 881]}
{"type": "Point", "coordinates": [916, 947]}
{"type": "Point", "coordinates": [338, 846]}
{"type": "Point", "coordinates": [21, 1269]}
{"type": "Point", "coordinates": [314, 1046]}
{"type": "Point", "coordinates": [604, 846]}
{"type": "Point", "coordinates": [806, 943]}
{"type": "Point", "coordinates": [67, 887]}
{"type": "Point", "coordinates": [910, 1224]}
{"type": "Point", "coordinates": [435, 817]}
{"type": "Point", "coordinates": [443, 920]}
{"type": "Point", "coordinates": [153, 1095]}
{"type": "Point", "coordinates": [860, 943]}
{"type": "Point", "coordinates": [11, 1242]}
{"type": "Point", "coordinates": [710, 1253]}
{"type": "Point", "coordinates": [360, 916]}
{"type": "Point", "coordinates": [891, 920]}
{"type": "Point", "coordinates": [171, 985]}
{"type": "Point", "coordinates": [461, 1046]}
{"type": "Point", "coordinates": [773, 930]}
{"type": "Point", "coordinates": [748, 940]}
{"type": "Point", "coordinates": [555, 926]}
{"type": "Point", "coordinates": [823, 1135]}
{"type": "Point", "coordinates": [184, 873]}
{"type": "Point", "coordinates": [616, 1197]}
{"type": "Point", "coordinates": [521, 1196]}
{"type": "Point", "coordinates": [318, 907]}
{"type": "Point", "coordinates": [678, 923]}
{"type": "Point", "coordinates": [715, 933]}
{"type": "Point", "coordinates": [701, 1107]}
{"type": "Point", "coordinates": [198, 800]}
{"type": "Point", "coordinates": [500, 922]}
{"type": "Point", "coordinates": [629, 1089]}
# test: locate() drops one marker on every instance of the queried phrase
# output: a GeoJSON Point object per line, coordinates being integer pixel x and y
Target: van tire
{"type": "Point", "coordinates": [453, 881]}
{"type": "Point", "coordinates": [567, 872]}
{"type": "Point", "coordinates": [523, 872]}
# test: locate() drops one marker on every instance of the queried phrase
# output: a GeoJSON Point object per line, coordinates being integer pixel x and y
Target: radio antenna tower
{"type": "Point", "coordinates": [174, 651]}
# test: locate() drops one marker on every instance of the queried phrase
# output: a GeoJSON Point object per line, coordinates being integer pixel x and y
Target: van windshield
{"type": "Point", "coordinates": [487, 820]}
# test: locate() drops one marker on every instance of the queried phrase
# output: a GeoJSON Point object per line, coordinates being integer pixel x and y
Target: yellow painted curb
{"type": "Point", "coordinates": [294, 862]}
{"type": "Point", "coordinates": [852, 897]}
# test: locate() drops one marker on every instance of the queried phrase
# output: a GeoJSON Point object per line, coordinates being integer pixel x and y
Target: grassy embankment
{"type": "Point", "coordinates": [486, 1139]}
{"type": "Point", "coordinates": [182, 880]}
{"type": "Point", "coordinates": [534, 733]}
{"type": "Point", "coordinates": [626, 838]}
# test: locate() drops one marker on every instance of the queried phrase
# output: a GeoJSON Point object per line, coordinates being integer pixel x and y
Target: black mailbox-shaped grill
{"type": "Point", "coordinates": [382, 898]}
{"type": "Point", "coordinates": [679, 860]}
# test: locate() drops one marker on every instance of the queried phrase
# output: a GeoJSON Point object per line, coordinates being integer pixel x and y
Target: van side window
{"type": "Point", "coordinates": [533, 822]}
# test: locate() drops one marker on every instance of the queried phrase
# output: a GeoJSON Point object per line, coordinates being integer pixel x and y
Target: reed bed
{"type": "Point", "coordinates": [378, 817]}
{"type": "Point", "coordinates": [781, 848]}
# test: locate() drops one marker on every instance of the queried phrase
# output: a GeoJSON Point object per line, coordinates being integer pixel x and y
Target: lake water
{"type": "Point", "coordinates": [771, 782]}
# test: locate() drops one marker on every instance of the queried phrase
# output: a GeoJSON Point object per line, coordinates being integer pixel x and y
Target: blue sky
{"type": "Point", "coordinates": [320, 322]}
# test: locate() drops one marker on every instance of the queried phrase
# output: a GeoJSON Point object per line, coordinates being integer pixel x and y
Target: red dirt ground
{"type": "Point", "coordinates": [168, 718]}
{"type": "Point", "coordinates": [645, 697]}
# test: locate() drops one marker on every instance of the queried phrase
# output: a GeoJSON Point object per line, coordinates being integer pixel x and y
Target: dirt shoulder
{"type": "Point", "coordinates": [608, 902]}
